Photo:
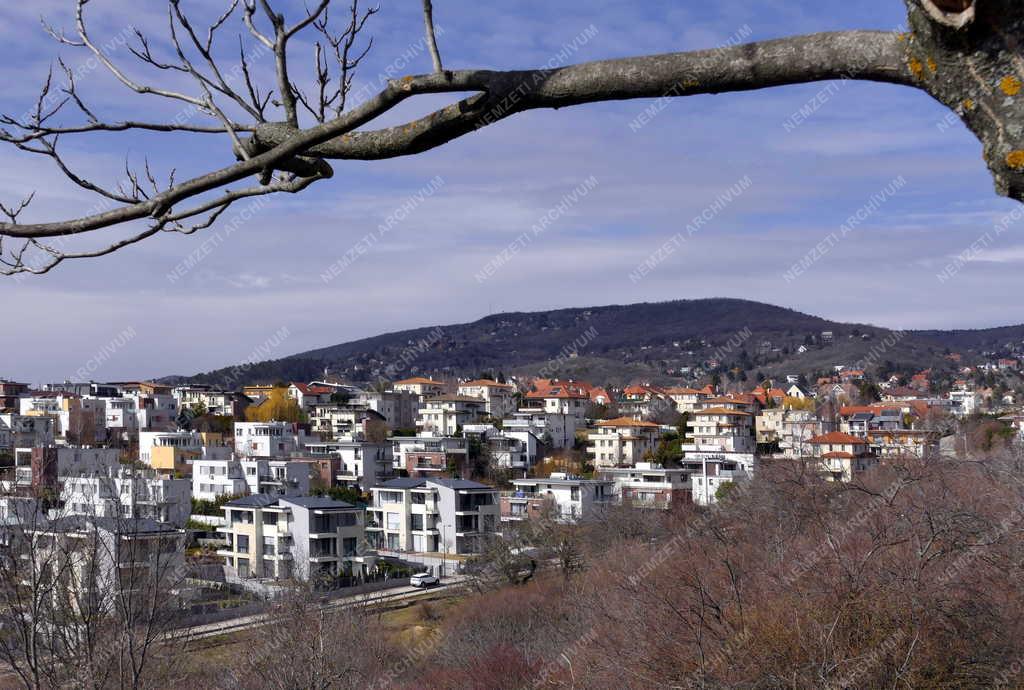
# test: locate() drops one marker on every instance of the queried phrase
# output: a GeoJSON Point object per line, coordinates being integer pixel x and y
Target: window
{"type": "Point", "coordinates": [243, 567]}
{"type": "Point", "coordinates": [417, 522]}
{"type": "Point", "coordinates": [393, 521]}
{"type": "Point", "coordinates": [243, 543]}
{"type": "Point", "coordinates": [269, 546]}
{"type": "Point", "coordinates": [269, 518]}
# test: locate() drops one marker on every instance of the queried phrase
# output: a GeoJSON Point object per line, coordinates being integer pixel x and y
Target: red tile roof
{"type": "Point", "coordinates": [836, 438]}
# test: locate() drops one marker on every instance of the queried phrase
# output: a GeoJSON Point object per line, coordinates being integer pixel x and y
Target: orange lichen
{"type": "Point", "coordinates": [1010, 85]}
{"type": "Point", "coordinates": [969, 104]}
{"type": "Point", "coordinates": [931, 65]}
{"type": "Point", "coordinates": [916, 67]}
{"type": "Point", "coordinates": [1015, 159]}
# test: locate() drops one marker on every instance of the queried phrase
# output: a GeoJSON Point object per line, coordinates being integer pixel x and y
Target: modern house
{"type": "Point", "coordinates": [622, 441]}
{"type": "Point", "coordinates": [564, 497]}
{"type": "Point", "coordinates": [307, 538]}
{"type": "Point", "coordinates": [649, 485]}
{"type": "Point", "coordinates": [435, 515]}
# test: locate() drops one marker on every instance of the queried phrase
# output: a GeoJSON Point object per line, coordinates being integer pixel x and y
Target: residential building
{"type": "Point", "coordinates": [553, 429]}
{"type": "Point", "coordinates": [212, 479]}
{"type": "Point", "coordinates": [711, 471]}
{"type": "Point", "coordinates": [721, 429]}
{"type": "Point", "coordinates": [649, 485]}
{"type": "Point", "coordinates": [308, 538]}
{"type": "Point", "coordinates": [432, 515]}
{"type": "Point", "coordinates": [514, 451]}
{"type": "Point", "coordinates": [685, 399]}
{"type": "Point", "coordinates": [564, 497]}
{"type": "Point", "coordinates": [128, 493]}
{"type": "Point", "coordinates": [308, 396]}
{"type": "Point", "coordinates": [10, 391]}
{"type": "Point", "coordinates": [24, 431]}
{"type": "Point", "coordinates": [43, 466]}
{"type": "Point", "coordinates": [428, 455]}
{"type": "Point", "coordinates": [268, 439]}
{"type": "Point", "coordinates": [499, 398]}
{"type": "Point", "coordinates": [399, 407]}
{"type": "Point", "coordinates": [622, 441]}
{"type": "Point", "coordinates": [421, 387]}
{"type": "Point", "coordinates": [567, 400]}
{"type": "Point", "coordinates": [104, 556]}
{"type": "Point", "coordinates": [446, 414]}
{"type": "Point", "coordinates": [841, 456]}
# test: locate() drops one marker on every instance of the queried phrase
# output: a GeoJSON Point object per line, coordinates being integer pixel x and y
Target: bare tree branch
{"type": "Point", "coordinates": [428, 21]}
{"type": "Point", "coordinates": [961, 53]}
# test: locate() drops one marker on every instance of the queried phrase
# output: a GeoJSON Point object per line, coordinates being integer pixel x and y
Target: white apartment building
{"type": "Point", "coordinates": [499, 398]}
{"type": "Point", "coordinates": [43, 466]}
{"type": "Point", "coordinates": [215, 402]}
{"type": "Point", "coordinates": [686, 399]}
{"type": "Point", "coordinates": [648, 485]}
{"type": "Point", "coordinates": [965, 402]}
{"type": "Point", "coordinates": [268, 439]}
{"type": "Point", "coordinates": [554, 429]}
{"type": "Point", "coordinates": [309, 538]}
{"type": "Point", "coordinates": [128, 493]}
{"type": "Point", "coordinates": [212, 479]}
{"type": "Point", "coordinates": [25, 431]}
{"type": "Point", "coordinates": [709, 471]}
{"type": "Point", "coordinates": [156, 411]}
{"type": "Point", "coordinates": [569, 498]}
{"type": "Point", "coordinates": [454, 516]}
{"type": "Point", "coordinates": [421, 387]}
{"type": "Point", "coordinates": [721, 429]}
{"type": "Point", "coordinates": [561, 400]}
{"type": "Point", "coordinates": [622, 441]}
{"type": "Point", "coordinates": [446, 414]}
{"type": "Point", "coordinates": [182, 441]}
{"type": "Point", "coordinates": [516, 451]}
{"type": "Point", "coordinates": [122, 417]}
{"type": "Point", "coordinates": [398, 407]}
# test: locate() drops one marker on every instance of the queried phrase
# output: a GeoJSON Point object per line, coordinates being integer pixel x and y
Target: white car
{"type": "Point", "coordinates": [423, 580]}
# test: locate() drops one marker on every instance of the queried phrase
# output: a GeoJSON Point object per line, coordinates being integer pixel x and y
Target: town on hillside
{"type": "Point", "coordinates": [330, 483]}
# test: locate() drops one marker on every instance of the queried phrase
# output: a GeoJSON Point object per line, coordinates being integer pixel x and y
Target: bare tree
{"type": "Point", "coordinates": [87, 600]}
{"type": "Point", "coordinates": [964, 53]}
{"type": "Point", "coordinates": [309, 647]}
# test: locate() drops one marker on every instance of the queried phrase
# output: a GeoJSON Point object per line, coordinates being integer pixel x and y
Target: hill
{"type": "Point", "coordinates": [659, 342]}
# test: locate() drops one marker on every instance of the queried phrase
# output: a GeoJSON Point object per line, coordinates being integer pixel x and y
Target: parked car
{"type": "Point", "coordinates": [423, 580]}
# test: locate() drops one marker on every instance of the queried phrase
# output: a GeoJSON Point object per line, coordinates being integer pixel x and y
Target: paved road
{"type": "Point", "coordinates": [371, 599]}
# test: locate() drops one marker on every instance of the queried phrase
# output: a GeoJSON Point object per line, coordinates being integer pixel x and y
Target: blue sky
{"type": "Point", "coordinates": [266, 273]}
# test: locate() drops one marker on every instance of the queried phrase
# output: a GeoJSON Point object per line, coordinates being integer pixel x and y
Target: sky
{"type": "Point", "coordinates": [856, 211]}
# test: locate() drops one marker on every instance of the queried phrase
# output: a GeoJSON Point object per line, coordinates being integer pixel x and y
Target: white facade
{"type": "Point", "coordinates": [499, 398]}
{"type": "Point", "coordinates": [432, 515]}
{"type": "Point", "coordinates": [212, 479]}
{"type": "Point", "coordinates": [182, 440]}
{"type": "Point", "coordinates": [572, 499]}
{"type": "Point", "coordinates": [268, 439]}
{"type": "Point", "coordinates": [553, 428]}
{"type": "Point", "coordinates": [302, 537]}
{"type": "Point", "coordinates": [128, 493]}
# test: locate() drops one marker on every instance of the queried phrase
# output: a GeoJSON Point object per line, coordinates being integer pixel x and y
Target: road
{"type": "Point", "coordinates": [371, 599]}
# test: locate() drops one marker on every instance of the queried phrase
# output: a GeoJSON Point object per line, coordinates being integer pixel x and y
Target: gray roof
{"type": "Point", "coordinates": [253, 501]}
{"type": "Point", "coordinates": [404, 483]}
{"type": "Point", "coordinates": [417, 482]}
{"type": "Point", "coordinates": [459, 483]}
{"type": "Point", "coordinates": [315, 502]}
